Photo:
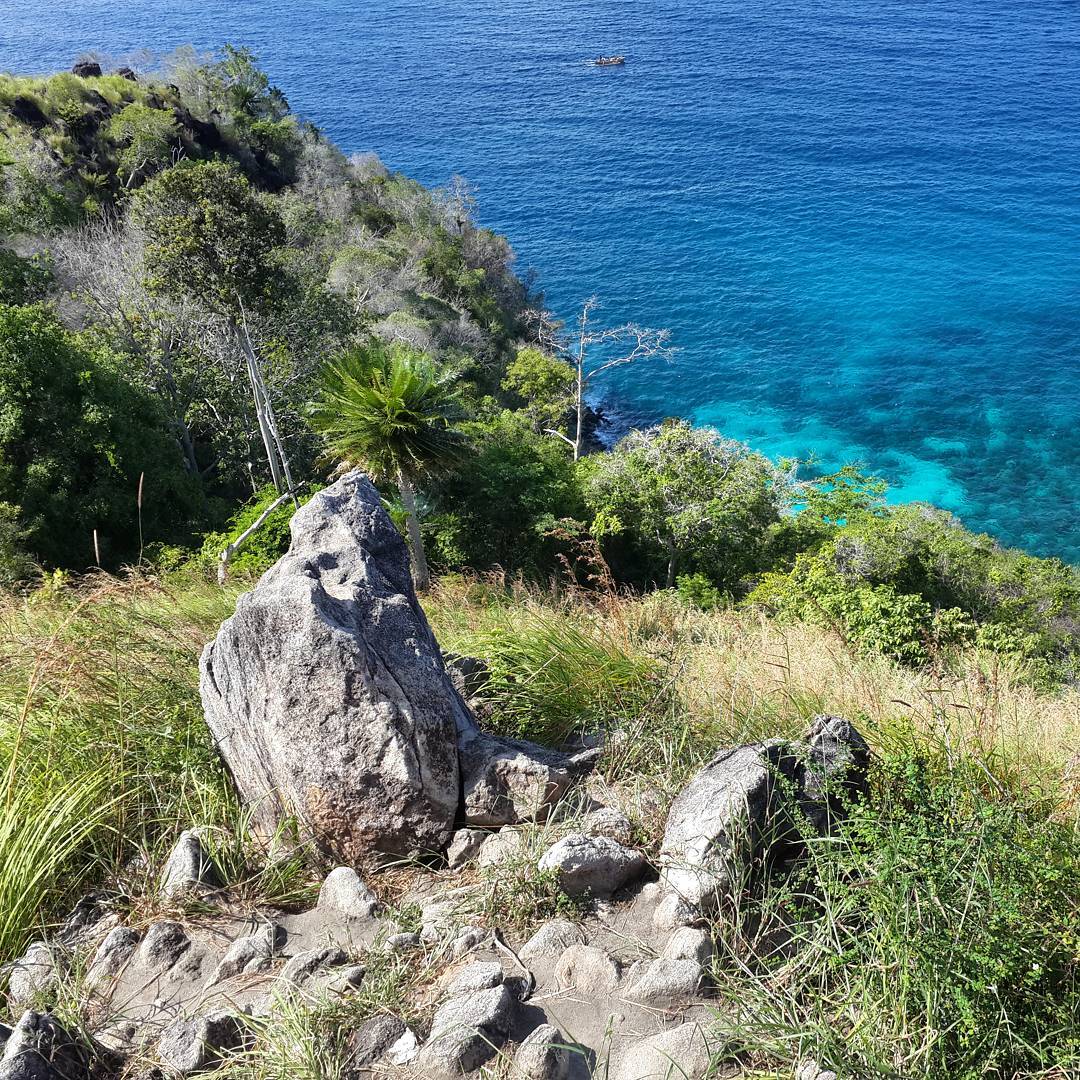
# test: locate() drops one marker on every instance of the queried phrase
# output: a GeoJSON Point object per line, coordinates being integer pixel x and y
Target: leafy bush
{"type": "Point", "coordinates": [265, 546]}
{"type": "Point", "coordinates": [698, 591]}
{"type": "Point", "coordinates": [75, 438]}
{"type": "Point", "coordinates": [935, 937]}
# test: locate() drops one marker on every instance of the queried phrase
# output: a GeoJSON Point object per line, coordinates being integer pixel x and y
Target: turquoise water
{"type": "Point", "coordinates": [860, 220]}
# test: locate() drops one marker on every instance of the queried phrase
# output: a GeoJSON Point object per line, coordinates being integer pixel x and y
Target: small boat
{"type": "Point", "coordinates": [609, 61]}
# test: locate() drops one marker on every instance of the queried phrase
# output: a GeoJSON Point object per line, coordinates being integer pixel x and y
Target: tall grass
{"type": "Point", "coordinates": [103, 750]}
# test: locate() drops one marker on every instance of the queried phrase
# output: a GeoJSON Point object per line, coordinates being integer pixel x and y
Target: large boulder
{"type": "Point", "coordinates": [753, 803]}
{"type": "Point", "coordinates": [326, 691]}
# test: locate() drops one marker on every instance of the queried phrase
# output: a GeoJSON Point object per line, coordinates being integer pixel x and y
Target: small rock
{"type": "Point", "coordinates": [476, 976]}
{"type": "Point", "coordinates": [469, 674]}
{"type": "Point", "coordinates": [341, 981]}
{"type": "Point", "coordinates": [500, 847]}
{"type": "Point", "coordinates": [34, 974]}
{"type": "Point", "coordinates": [248, 955]}
{"type": "Point", "coordinates": [689, 943]}
{"type": "Point", "coordinates": [592, 865]}
{"type": "Point", "coordinates": [464, 845]}
{"type": "Point", "coordinates": [86, 69]}
{"type": "Point", "coordinates": [188, 867]}
{"type": "Point", "coordinates": [190, 1046]}
{"type": "Point", "coordinates": [466, 1032]}
{"type": "Point", "coordinates": [809, 1070]}
{"type": "Point", "coordinates": [112, 954]}
{"type": "Point", "coordinates": [666, 982]}
{"type": "Point", "coordinates": [543, 1055]}
{"type": "Point", "coordinates": [472, 938]}
{"type": "Point", "coordinates": [374, 1038]}
{"type": "Point", "coordinates": [684, 1052]}
{"type": "Point", "coordinates": [401, 942]}
{"type": "Point", "coordinates": [127, 73]}
{"type": "Point", "coordinates": [118, 1037]}
{"type": "Point", "coordinates": [303, 965]}
{"type": "Point", "coordinates": [40, 1048]}
{"type": "Point", "coordinates": [550, 941]}
{"type": "Point", "coordinates": [404, 1050]}
{"type": "Point", "coordinates": [588, 969]}
{"type": "Point", "coordinates": [610, 823]}
{"type": "Point", "coordinates": [344, 893]}
{"type": "Point", "coordinates": [164, 944]}
{"type": "Point", "coordinates": [673, 912]}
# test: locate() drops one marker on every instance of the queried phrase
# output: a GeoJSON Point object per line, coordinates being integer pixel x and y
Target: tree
{"type": "Point", "coordinates": [210, 236]}
{"type": "Point", "coordinates": [592, 350]}
{"type": "Point", "coordinates": [75, 439]}
{"type": "Point", "coordinates": [688, 495]}
{"type": "Point", "coordinates": [500, 507]}
{"type": "Point", "coordinates": [544, 384]}
{"type": "Point", "coordinates": [148, 135]}
{"type": "Point", "coordinates": [391, 412]}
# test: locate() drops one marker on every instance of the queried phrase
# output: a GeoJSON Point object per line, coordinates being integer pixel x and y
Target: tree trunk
{"type": "Point", "coordinates": [580, 413]}
{"type": "Point", "coordinates": [672, 558]}
{"type": "Point", "coordinates": [416, 541]}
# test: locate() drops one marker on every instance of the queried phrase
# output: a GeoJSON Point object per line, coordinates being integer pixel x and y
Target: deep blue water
{"type": "Point", "coordinates": [859, 218]}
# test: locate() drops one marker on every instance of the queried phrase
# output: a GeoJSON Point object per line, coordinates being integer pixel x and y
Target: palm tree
{"type": "Point", "coordinates": [394, 414]}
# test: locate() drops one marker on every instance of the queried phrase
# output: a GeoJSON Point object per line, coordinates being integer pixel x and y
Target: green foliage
{"type": "Point", "coordinates": [935, 937]}
{"type": "Point", "coordinates": [389, 410]}
{"type": "Point", "coordinates": [75, 438]}
{"type": "Point", "coordinates": [910, 579]}
{"type": "Point", "coordinates": [209, 236]}
{"type": "Point", "coordinates": [542, 384]}
{"type": "Point", "coordinates": [23, 281]}
{"type": "Point", "coordinates": [147, 135]}
{"type": "Point", "coordinates": [698, 591]}
{"type": "Point", "coordinates": [500, 507]}
{"type": "Point", "coordinates": [16, 565]}
{"type": "Point", "coordinates": [265, 546]}
{"type": "Point", "coordinates": [687, 496]}
{"type": "Point", "coordinates": [843, 495]}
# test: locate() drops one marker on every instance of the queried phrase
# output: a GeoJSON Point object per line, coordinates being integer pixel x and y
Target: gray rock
{"type": "Point", "coordinates": [587, 969]}
{"type": "Point", "coordinates": [684, 1052]}
{"type": "Point", "coordinates": [249, 955]}
{"type": "Point", "coordinates": [192, 1046]}
{"type": "Point", "coordinates": [481, 975]}
{"type": "Point", "coordinates": [34, 974]}
{"type": "Point", "coordinates": [464, 845]}
{"type": "Point", "coordinates": [344, 893]}
{"type": "Point", "coordinates": [471, 938]}
{"type": "Point", "coordinates": [373, 1038]}
{"type": "Point", "coordinates": [467, 1031]}
{"type": "Point", "coordinates": [299, 968]}
{"type": "Point", "coordinates": [689, 943]}
{"type": "Point", "coordinates": [592, 865]}
{"type": "Point", "coordinates": [405, 1050]}
{"type": "Point", "coordinates": [165, 942]}
{"type": "Point", "coordinates": [810, 1070]}
{"type": "Point", "coordinates": [610, 823]}
{"type": "Point", "coordinates": [339, 981]}
{"type": "Point", "coordinates": [667, 982]}
{"type": "Point", "coordinates": [502, 846]}
{"type": "Point", "coordinates": [543, 1055]}
{"type": "Point", "coordinates": [188, 868]}
{"type": "Point", "coordinates": [401, 942]}
{"type": "Point", "coordinates": [509, 781]}
{"type": "Point", "coordinates": [550, 941]}
{"type": "Point", "coordinates": [743, 808]}
{"type": "Point", "coordinates": [112, 954]}
{"type": "Point", "coordinates": [41, 1048]}
{"type": "Point", "coordinates": [326, 691]}
{"type": "Point", "coordinates": [469, 674]}
{"type": "Point", "coordinates": [834, 773]}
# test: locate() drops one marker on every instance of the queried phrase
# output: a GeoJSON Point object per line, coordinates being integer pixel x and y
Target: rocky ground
{"type": "Point", "coordinates": [332, 706]}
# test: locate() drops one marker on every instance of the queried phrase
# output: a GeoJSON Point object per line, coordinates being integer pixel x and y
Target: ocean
{"type": "Point", "coordinates": [859, 219]}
